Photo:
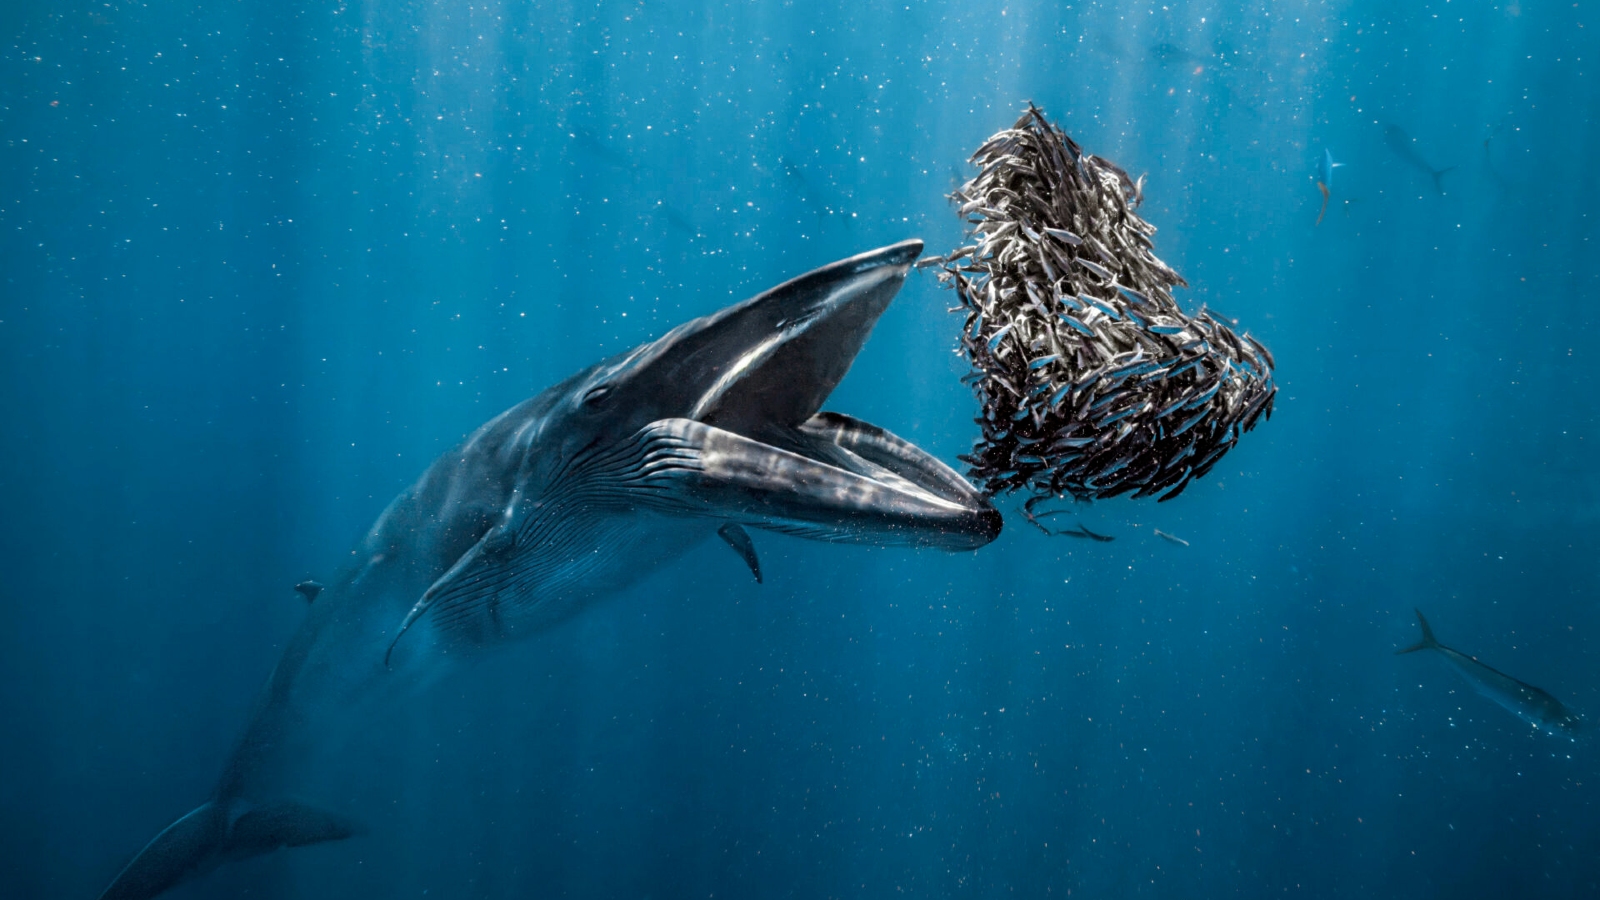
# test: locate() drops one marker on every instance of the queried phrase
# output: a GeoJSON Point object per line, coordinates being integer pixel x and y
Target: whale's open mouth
{"type": "Point", "coordinates": [720, 419]}
{"type": "Point", "coordinates": [751, 444]}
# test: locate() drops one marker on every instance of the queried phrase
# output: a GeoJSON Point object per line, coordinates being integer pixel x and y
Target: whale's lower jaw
{"type": "Point", "coordinates": [644, 501]}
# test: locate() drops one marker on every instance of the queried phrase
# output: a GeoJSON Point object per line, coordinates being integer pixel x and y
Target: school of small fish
{"type": "Point", "coordinates": [1093, 380]}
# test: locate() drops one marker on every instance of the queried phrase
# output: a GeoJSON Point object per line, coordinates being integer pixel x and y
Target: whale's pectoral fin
{"type": "Point", "coordinates": [739, 540]}
{"type": "Point", "coordinates": [477, 574]}
{"type": "Point", "coordinates": [696, 469]}
{"type": "Point", "coordinates": [288, 824]}
{"type": "Point", "coordinates": [181, 851]}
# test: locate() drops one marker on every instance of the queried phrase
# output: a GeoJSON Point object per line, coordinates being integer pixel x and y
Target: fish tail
{"type": "Point", "coordinates": [1324, 210]}
{"type": "Point", "coordinates": [1427, 642]}
{"type": "Point", "coordinates": [1438, 177]}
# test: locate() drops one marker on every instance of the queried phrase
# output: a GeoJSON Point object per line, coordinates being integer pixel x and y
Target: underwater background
{"type": "Point", "coordinates": [263, 261]}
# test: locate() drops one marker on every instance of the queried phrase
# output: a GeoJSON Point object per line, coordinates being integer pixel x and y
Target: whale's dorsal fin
{"type": "Point", "coordinates": [309, 590]}
{"type": "Point", "coordinates": [739, 540]}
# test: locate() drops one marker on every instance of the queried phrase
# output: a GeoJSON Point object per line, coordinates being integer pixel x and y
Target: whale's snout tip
{"type": "Point", "coordinates": [900, 255]}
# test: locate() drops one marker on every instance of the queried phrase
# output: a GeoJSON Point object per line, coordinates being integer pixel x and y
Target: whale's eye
{"type": "Point", "coordinates": [596, 397]}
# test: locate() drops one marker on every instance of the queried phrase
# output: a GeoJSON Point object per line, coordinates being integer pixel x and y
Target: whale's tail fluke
{"type": "Point", "coordinates": [1427, 642]}
{"type": "Point", "coordinates": [211, 834]}
{"type": "Point", "coordinates": [184, 849]}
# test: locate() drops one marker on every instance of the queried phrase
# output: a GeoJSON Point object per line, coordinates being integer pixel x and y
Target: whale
{"type": "Point", "coordinates": [713, 429]}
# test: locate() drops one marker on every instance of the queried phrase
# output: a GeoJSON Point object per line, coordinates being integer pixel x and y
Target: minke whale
{"type": "Point", "coordinates": [567, 497]}
{"type": "Point", "coordinates": [1526, 702]}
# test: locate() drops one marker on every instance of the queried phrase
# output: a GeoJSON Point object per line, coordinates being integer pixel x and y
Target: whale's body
{"type": "Point", "coordinates": [567, 497]}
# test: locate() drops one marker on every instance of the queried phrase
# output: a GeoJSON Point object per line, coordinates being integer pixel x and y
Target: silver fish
{"type": "Point", "coordinates": [1095, 267]}
{"type": "Point", "coordinates": [1075, 324]}
{"type": "Point", "coordinates": [1000, 335]}
{"type": "Point", "coordinates": [1171, 537]}
{"type": "Point", "coordinates": [1133, 295]}
{"type": "Point", "coordinates": [1103, 306]}
{"type": "Point", "coordinates": [1526, 702]}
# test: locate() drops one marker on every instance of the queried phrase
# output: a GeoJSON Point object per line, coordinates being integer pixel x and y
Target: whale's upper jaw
{"type": "Point", "coordinates": [799, 339]}
{"type": "Point", "coordinates": [768, 362]}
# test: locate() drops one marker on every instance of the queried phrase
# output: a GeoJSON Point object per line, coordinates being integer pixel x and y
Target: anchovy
{"type": "Point", "coordinates": [1098, 248]}
{"type": "Point", "coordinates": [1191, 421]}
{"type": "Point", "coordinates": [1171, 537]}
{"type": "Point", "coordinates": [1105, 401]}
{"type": "Point", "coordinates": [1077, 325]}
{"type": "Point", "coordinates": [1133, 295]}
{"type": "Point", "coordinates": [1133, 369]}
{"type": "Point", "coordinates": [1180, 456]}
{"type": "Point", "coordinates": [1174, 407]}
{"type": "Point", "coordinates": [1117, 417]}
{"type": "Point", "coordinates": [999, 336]}
{"type": "Point", "coordinates": [1210, 459]}
{"type": "Point", "coordinates": [1095, 267]}
{"type": "Point", "coordinates": [1262, 349]}
{"type": "Point", "coordinates": [1186, 367]}
{"type": "Point", "coordinates": [1060, 394]}
{"type": "Point", "coordinates": [1206, 395]}
{"type": "Point", "coordinates": [1082, 532]}
{"type": "Point", "coordinates": [1108, 309]}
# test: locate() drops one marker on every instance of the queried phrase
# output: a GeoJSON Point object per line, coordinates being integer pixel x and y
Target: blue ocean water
{"type": "Point", "coordinates": [264, 261]}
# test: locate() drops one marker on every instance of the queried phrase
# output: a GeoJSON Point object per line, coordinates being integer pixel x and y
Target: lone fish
{"type": "Point", "coordinates": [1171, 537]}
{"type": "Point", "coordinates": [1325, 167]}
{"type": "Point", "coordinates": [1526, 702]}
{"type": "Point", "coordinates": [1082, 532]}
